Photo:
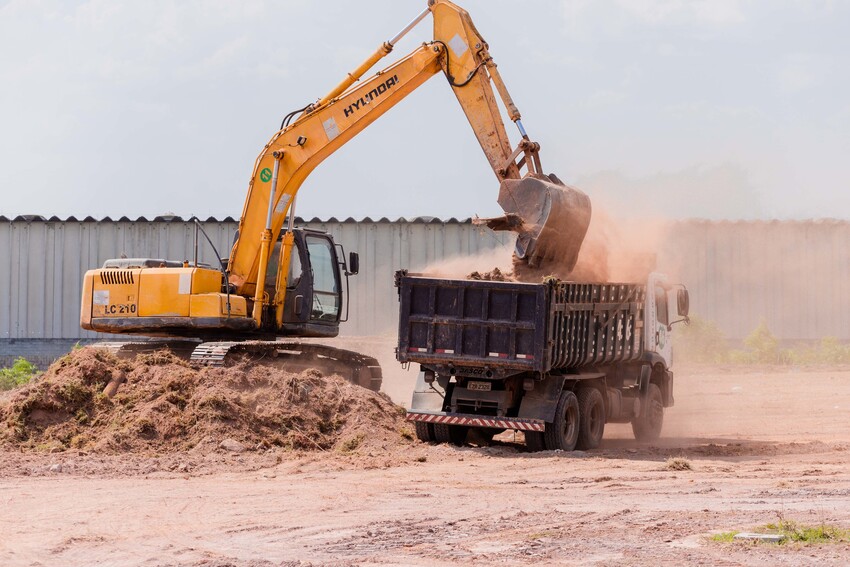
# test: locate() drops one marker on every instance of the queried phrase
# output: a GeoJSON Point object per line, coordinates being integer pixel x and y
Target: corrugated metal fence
{"type": "Point", "coordinates": [795, 275]}
{"type": "Point", "coordinates": [43, 262]}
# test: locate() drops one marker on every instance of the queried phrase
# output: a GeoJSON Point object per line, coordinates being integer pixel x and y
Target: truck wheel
{"type": "Point", "coordinates": [647, 427]}
{"type": "Point", "coordinates": [562, 433]}
{"type": "Point", "coordinates": [454, 434]}
{"type": "Point", "coordinates": [424, 431]}
{"type": "Point", "coordinates": [534, 441]}
{"type": "Point", "coordinates": [591, 418]}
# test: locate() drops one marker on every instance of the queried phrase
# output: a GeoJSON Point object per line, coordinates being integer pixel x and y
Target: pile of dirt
{"type": "Point", "coordinates": [494, 275]}
{"type": "Point", "coordinates": [165, 405]}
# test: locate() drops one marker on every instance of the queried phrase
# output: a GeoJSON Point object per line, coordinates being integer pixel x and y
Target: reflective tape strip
{"type": "Point", "coordinates": [498, 354]}
{"type": "Point", "coordinates": [417, 349]}
{"type": "Point", "coordinates": [525, 356]}
{"type": "Point", "coordinates": [494, 422]}
{"type": "Point", "coordinates": [445, 351]}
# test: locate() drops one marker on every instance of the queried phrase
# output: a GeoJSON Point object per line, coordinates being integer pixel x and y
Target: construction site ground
{"type": "Point", "coordinates": [763, 445]}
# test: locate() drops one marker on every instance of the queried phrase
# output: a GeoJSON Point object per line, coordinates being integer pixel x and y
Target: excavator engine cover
{"type": "Point", "coordinates": [552, 219]}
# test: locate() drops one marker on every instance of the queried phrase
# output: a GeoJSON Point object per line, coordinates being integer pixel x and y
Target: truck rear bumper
{"type": "Point", "coordinates": [470, 420]}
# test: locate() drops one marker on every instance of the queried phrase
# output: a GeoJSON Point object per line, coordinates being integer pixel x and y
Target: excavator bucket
{"type": "Point", "coordinates": [549, 217]}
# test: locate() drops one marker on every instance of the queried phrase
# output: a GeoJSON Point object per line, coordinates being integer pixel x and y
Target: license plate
{"type": "Point", "coordinates": [479, 386]}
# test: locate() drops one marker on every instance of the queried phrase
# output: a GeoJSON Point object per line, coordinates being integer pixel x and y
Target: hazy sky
{"type": "Point", "coordinates": [713, 108]}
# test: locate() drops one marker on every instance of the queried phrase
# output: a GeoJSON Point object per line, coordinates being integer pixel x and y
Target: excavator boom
{"type": "Point", "coordinates": [553, 217]}
{"type": "Point", "coordinates": [293, 286]}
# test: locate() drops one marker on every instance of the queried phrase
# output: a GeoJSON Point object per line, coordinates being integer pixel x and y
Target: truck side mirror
{"type": "Point", "coordinates": [353, 263]}
{"type": "Point", "coordinates": [683, 302]}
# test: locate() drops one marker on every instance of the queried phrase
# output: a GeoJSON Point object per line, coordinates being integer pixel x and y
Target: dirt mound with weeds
{"type": "Point", "coordinates": [164, 405]}
{"type": "Point", "coordinates": [494, 275]}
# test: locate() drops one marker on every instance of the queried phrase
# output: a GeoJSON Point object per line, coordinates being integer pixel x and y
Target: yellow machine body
{"type": "Point", "coordinates": [141, 300]}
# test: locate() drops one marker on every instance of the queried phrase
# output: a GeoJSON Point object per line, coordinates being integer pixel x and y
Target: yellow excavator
{"type": "Point", "coordinates": [277, 285]}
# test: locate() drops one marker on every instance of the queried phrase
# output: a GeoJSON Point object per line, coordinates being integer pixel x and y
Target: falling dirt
{"type": "Point", "coordinates": [163, 405]}
{"type": "Point", "coordinates": [494, 275]}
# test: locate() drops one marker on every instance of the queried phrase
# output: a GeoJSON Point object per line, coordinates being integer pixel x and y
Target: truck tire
{"type": "Point", "coordinates": [591, 410]}
{"type": "Point", "coordinates": [647, 427]}
{"type": "Point", "coordinates": [424, 431]}
{"type": "Point", "coordinates": [562, 433]}
{"type": "Point", "coordinates": [454, 434]}
{"type": "Point", "coordinates": [534, 441]}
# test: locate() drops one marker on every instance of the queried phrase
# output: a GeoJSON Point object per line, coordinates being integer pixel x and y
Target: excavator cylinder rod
{"type": "Point", "coordinates": [410, 26]}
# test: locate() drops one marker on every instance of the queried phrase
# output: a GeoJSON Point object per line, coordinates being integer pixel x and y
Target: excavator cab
{"type": "Point", "coordinates": [313, 301]}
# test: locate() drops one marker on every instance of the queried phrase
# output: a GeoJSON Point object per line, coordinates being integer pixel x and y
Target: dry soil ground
{"type": "Point", "coordinates": [762, 445]}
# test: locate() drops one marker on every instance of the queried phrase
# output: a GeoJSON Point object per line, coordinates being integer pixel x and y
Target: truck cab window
{"type": "Point", "coordinates": [661, 305]}
{"type": "Point", "coordinates": [326, 296]}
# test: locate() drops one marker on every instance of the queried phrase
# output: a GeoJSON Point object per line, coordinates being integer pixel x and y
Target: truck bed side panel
{"type": "Point", "coordinates": [593, 324]}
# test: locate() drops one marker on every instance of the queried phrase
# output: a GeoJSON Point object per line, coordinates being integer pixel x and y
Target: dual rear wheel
{"type": "Point", "coordinates": [441, 433]}
{"type": "Point", "coordinates": [579, 423]}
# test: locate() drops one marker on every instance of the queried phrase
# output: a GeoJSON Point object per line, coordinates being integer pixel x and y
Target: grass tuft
{"type": "Point", "coordinates": [350, 444]}
{"type": "Point", "coordinates": [808, 534]}
{"type": "Point", "coordinates": [792, 532]}
{"type": "Point", "coordinates": [678, 464]}
{"type": "Point", "coordinates": [725, 537]}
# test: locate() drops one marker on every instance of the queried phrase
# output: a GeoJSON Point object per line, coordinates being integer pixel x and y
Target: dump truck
{"type": "Point", "coordinates": [555, 360]}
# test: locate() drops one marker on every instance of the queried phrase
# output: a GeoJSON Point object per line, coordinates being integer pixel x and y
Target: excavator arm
{"type": "Point", "coordinates": [538, 207]}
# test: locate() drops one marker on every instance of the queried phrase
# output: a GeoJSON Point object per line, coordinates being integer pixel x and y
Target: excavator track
{"type": "Point", "coordinates": [293, 356]}
{"type": "Point", "coordinates": [130, 349]}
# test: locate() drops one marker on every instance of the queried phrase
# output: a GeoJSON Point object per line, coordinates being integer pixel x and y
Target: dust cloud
{"type": "Point", "coordinates": [619, 249]}
{"type": "Point", "coordinates": [616, 249]}
{"type": "Point", "coordinates": [459, 267]}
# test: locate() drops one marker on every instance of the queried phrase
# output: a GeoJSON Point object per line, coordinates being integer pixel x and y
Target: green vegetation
{"type": "Point", "coordinates": [725, 537]}
{"type": "Point", "coordinates": [793, 532]}
{"type": "Point", "coordinates": [703, 342]}
{"type": "Point", "coordinates": [21, 372]}
{"type": "Point", "coordinates": [808, 534]}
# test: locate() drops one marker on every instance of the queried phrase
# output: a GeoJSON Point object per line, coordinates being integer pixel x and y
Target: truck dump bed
{"type": "Point", "coordinates": [493, 329]}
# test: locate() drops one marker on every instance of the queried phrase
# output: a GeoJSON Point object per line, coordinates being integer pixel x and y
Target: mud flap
{"type": "Point", "coordinates": [643, 388]}
{"type": "Point", "coordinates": [667, 391]}
{"type": "Point", "coordinates": [427, 397]}
{"type": "Point", "coordinates": [541, 402]}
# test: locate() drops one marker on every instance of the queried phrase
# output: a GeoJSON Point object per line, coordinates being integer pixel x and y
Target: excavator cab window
{"type": "Point", "coordinates": [294, 277]}
{"type": "Point", "coordinates": [295, 270]}
{"type": "Point", "coordinates": [326, 289]}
